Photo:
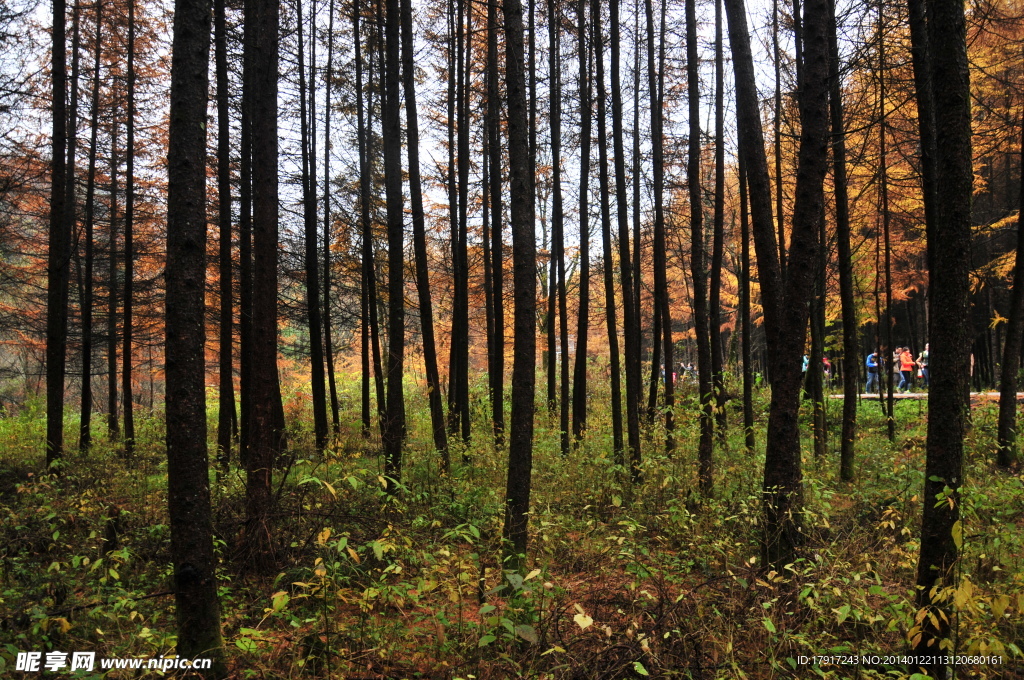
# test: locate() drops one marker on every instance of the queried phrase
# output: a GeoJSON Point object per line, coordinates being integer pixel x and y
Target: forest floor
{"type": "Point", "coordinates": [623, 582]}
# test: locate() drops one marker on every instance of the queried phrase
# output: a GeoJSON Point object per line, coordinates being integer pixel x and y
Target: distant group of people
{"type": "Point", "coordinates": [904, 366]}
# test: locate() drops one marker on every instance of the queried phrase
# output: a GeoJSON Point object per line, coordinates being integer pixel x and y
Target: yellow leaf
{"type": "Point", "coordinates": [322, 537]}
{"type": "Point", "coordinates": [999, 605]}
{"type": "Point", "coordinates": [532, 574]}
{"type": "Point", "coordinates": [583, 621]}
{"type": "Point", "coordinates": [354, 555]}
{"type": "Point", "coordinates": [958, 534]}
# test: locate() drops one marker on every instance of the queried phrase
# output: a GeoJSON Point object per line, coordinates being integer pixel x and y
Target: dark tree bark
{"type": "Point", "coordinates": [606, 238]}
{"type": "Point", "coordinates": [369, 326]}
{"type": "Point", "coordinates": [919, 53]}
{"type": "Point", "coordinates": [59, 252]}
{"type": "Point", "coordinates": [579, 388]}
{"type": "Point", "coordinates": [420, 239]}
{"type": "Point", "coordinates": [328, 238]}
{"type": "Point", "coordinates": [697, 267]}
{"type": "Point", "coordinates": [85, 427]}
{"type": "Point", "coordinates": [264, 436]}
{"type": "Point", "coordinates": [883, 207]}
{"type": "Point", "coordinates": [496, 362]}
{"type": "Point", "coordinates": [245, 261]}
{"type": "Point", "coordinates": [1007, 435]}
{"type": "Point", "coordinates": [188, 489]}
{"type": "Point", "coordinates": [112, 421]}
{"type": "Point", "coordinates": [226, 384]}
{"type": "Point", "coordinates": [558, 220]}
{"type": "Point", "coordinates": [851, 355]}
{"type": "Point", "coordinates": [630, 323]}
{"type": "Point", "coordinates": [312, 259]}
{"type": "Point", "coordinates": [71, 203]}
{"type": "Point", "coordinates": [129, 246]}
{"type": "Point", "coordinates": [662, 304]}
{"type": "Point", "coordinates": [949, 316]}
{"type": "Point", "coordinates": [524, 260]}
{"type": "Point", "coordinates": [777, 141]}
{"type": "Point", "coordinates": [786, 311]}
{"type": "Point", "coordinates": [393, 431]}
{"type": "Point", "coordinates": [744, 313]}
{"type": "Point", "coordinates": [458, 391]}
{"type": "Point", "coordinates": [718, 235]}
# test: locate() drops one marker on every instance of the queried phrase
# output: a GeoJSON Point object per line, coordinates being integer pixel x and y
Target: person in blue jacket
{"type": "Point", "coordinates": [872, 364]}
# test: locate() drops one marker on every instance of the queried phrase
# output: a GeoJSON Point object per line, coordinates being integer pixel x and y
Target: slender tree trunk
{"type": "Point", "coordinates": [328, 237]}
{"type": "Point", "coordinates": [245, 260]}
{"type": "Point", "coordinates": [312, 260]}
{"type": "Point", "coordinates": [188, 487]}
{"type": "Point", "coordinates": [420, 239]}
{"type": "Point", "coordinates": [851, 355]}
{"type": "Point", "coordinates": [226, 393]}
{"type": "Point", "coordinates": [112, 422]}
{"type": "Point", "coordinates": [883, 188]}
{"type": "Point", "coordinates": [777, 141]}
{"type": "Point", "coordinates": [461, 340]}
{"type": "Point", "coordinates": [496, 365]}
{"type": "Point", "coordinates": [71, 202]}
{"type": "Point", "coordinates": [785, 310]}
{"type": "Point", "coordinates": [59, 253]}
{"type": "Point", "coordinates": [455, 162]}
{"type": "Point", "coordinates": [697, 267]}
{"type": "Point", "coordinates": [264, 437]}
{"type": "Point", "coordinates": [558, 218]}
{"type": "Point", "coordinates": [129, 247]}
{"type": "Point", "coordinates": [919, 53]}
{"type": "Point", "coordinates": [718, 235]}
{"type": "Point", "coordinates": [950, 327]}
{"type": "Point", "coordinates": [524, 256]}
{"type": "Point", "coordinates": [85, 428]}
{"type": "Point", "coordinates": [579, 388]}
{"type": "Point", "coordinates": [394, 429]}
{"type": "Point", "coordinates": [606, 238]}
{"type": "Point", "coordinates": [631, 327]}
{"type": "Point", "coordinates": [1007, 436]}
{"type": "Point", "coordinates": [745, 338]}
{"type": "Point", "coordinates": [661, 294]}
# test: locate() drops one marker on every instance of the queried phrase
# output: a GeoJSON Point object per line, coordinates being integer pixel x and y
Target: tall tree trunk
{"type": "Point", "coordinates": [744, 313]}
{"type": "Point", "coordinates": [85, 428]}
{"type": "Point", "coordinates": [697, 267]}
{"type": "Point", "coordinates": [394, 429]}
{"type": "Point", "coordinates": [457, 126]}
{"type": "Point", "coordinates": [226, 391]}
{"type": "Point", "coordinates": [1007, 435]}
{"type": "Point", "coordinates": [496, 364]}
{"type": "Point", "coordinates": [662, 304]}
{"type": "Point", "coordinates": [112, 422]}
{"type": "Point", "coordinates": [777, 140]}
{"type": "Point", "coordinates": [558, 219]}
{"type": "Point", "coordinates": [579, 388]}
{"type": "Point", "coordinates": [606, 238]}
{"type": "Point", "coordinates": [129, 246]}
{"type": "Point", "coordinates": [524, 257]}
{"type": "Point", "coordinates": [883, 206]}
{"type": "Point", "coordinates": [264, 437]}
{"type": "Point", "coordinates": [245, 259]}
{"type": "Point", "coordinates": [328, 237]}
{"type": "Point", "coordinates": [718, 234]}
{"type": "Point", "coordinates": [312, 260]}
{"type": "Point", "coordinates": [949, 316]}
{"type": "Point", "coordinates": [631, 327]}
{"type": "Point", "coordinates": [786, 311]}
{"type": "Point", "coordinates": [188, 486]}
{"type": "Point", "coordinates": [59, 252]}
{"type": "Point", "coordinates": [851, 355]}
{"type": "Point", "coordinates": [420, 239]}
{"type": "Point", "coordinates": [370, 335]}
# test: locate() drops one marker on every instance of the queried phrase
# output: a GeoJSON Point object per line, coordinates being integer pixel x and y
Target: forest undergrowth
{"type": "Point", "coordinates": [623, 582]}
